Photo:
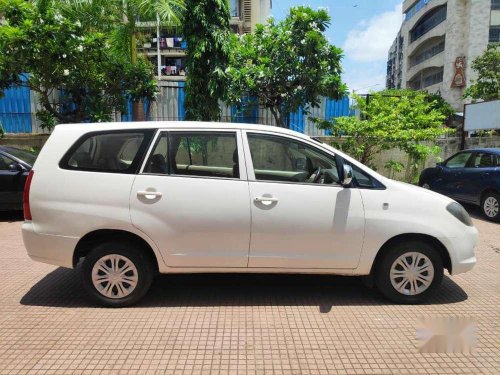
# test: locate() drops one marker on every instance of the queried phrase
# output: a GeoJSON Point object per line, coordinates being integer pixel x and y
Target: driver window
{"type": "Point", "coordinates": [459, 160]}
{"type": "Point", "coordinates": [282, 159]}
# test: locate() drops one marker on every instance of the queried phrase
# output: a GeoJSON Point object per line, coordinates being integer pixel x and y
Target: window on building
{"type": "Point", "coordinates": [428, 22]}
{"type": "Point", "coordinates": [433, 78]}
{"type": "Point", "coordinates": [427, 54]}
{"type": "Point", "coordinates": [415, 8]}
{"type": "Point", "coordinates": [495, 4]}
{"type": "Point", "coordinates": [494, 33]}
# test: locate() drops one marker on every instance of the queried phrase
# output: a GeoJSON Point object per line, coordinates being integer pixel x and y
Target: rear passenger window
{"type": "Point", "coordinates": [203, 154]}
{"type": "Point", "coordinates": [118, 152]}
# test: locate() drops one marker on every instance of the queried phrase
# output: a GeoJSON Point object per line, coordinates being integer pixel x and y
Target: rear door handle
{"type": "Point", "coordinates": [265, 199]}
{"type": "Point", "coordinates": [149, 194]}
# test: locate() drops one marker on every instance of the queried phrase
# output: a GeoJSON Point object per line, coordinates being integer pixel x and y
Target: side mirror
{"type": "Point", "coordinates": [347, 178]}
{"type": "Point", "coordinates": [16, 167]}
{"type": "Point", "coordinates": [440, 164]}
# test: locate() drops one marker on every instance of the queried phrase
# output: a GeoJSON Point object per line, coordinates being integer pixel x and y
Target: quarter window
{"type": "Point", "coordinates": [281, 159]}
{"type": "Point", "coordinates": [5, 162]}
{"type": "Point", "coordinates": [202, 154]}
{"type": "Point", "coordinates": [459, 160]}
{"type": "Point", "coordinates": [117, 152]}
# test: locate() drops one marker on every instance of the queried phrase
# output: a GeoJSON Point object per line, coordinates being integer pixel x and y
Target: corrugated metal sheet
{"type": "Point", "coordinates": [15, 110]}
{"type": "Point", "coordinates": [170, 105]}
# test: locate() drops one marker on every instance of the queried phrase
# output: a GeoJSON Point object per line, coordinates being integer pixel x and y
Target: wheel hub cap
{"type": "Point", "coordinates": [412, 273]}
{"type": "Point", "coordinates": [491, 207]}
{"type": "Point", "coordinates": [114, 276]}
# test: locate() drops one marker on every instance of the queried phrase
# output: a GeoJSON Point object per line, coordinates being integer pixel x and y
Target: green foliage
{"type": "Point", "coordinates": [69, 62]}
{"type": "Point", "coordinates": [403, 119]}
{"type": "Point", "coordinates": [208, 51]}
{"type": "Point", "coordinates": [2, 131]}
{"type": "Point", "coordinates": [487, 66]}
{"type": "Point", "coordinates": [287, 65]}
{"type": "Point", "coordinates": [393, 167]}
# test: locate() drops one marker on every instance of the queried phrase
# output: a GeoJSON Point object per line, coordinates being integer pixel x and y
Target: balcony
{"type": "Point", "coordinates": [427, 51]}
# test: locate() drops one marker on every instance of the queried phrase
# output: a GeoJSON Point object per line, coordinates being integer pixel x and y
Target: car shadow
{"type": "Point", "coordinates": [11, 216]}
{"type": "Point", "coordinates": [62, 288]}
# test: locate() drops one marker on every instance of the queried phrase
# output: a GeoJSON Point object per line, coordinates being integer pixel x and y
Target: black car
{"type": "Point", "coordinates": [15, 165]}
{"type": "Point", "coordinates": [471, 176]}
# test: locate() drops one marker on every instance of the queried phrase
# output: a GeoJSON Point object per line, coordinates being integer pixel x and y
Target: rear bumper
{"type": "Point", "coordinates": [47, 248]}
{"type": "Point", "coordinates": [461, 250]}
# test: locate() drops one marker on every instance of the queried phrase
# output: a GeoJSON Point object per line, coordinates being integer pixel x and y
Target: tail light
{"type": "Point", "coordinates": [26, 196]}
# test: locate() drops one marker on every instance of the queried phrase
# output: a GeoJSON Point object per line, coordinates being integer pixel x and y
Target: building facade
{"type": "Point", "coordinates": [437, 43]}
{"type": "Point", "coordinates": [166, 48]}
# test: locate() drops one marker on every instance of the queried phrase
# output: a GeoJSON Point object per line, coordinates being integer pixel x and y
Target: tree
{"type": "Point", "coordinates": [119, 18]}
{"type": "Point", "coordinates": [72, 70]}
{"type": "Point", "coordinates": [287, 65]}
{"type": "Point", "coordinates": [208, 49]}
{"type": "Point", "coordinates": [402, 119]}
{"type": "Point", "coordinates": [487, 67]}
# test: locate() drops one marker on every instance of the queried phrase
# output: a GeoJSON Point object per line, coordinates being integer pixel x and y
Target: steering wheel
{"type": "Point", "coordinates": [317, 175]}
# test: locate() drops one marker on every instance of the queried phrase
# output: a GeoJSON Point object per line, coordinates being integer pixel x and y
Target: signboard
{"type": "Point", "coordinates": [459, 77]}
{"type": "Point", "coordinates": [482, 116]}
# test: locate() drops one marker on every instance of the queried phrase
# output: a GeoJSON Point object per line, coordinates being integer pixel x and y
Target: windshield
{"type": "Point", "coordinates": [27, 156]}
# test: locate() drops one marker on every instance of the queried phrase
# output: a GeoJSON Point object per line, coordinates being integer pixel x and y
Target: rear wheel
{"type": "Point", "coordinates": [409, 272]}
{"type": "Point", "coordinates": [116, 274]}
{"type": "Point", "coordinates": [490, 206]}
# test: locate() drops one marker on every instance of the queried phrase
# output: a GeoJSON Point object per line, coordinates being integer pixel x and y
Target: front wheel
{"type": "Point", "coordinates": [490, 206]}
{"type": "Point", "coordinates": [409, 272]}
{"type": "Point", "coordinates": [116, 274]}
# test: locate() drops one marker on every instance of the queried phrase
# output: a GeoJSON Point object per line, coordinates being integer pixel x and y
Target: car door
{"type": "Point", "coordinates": [11, 187]}
{"type": "Point", "coordinates": [452, 174]}
{"type": "Point", "coordinates": [301, 217]}
{"type": "Point", "coordinates": [192, 200]}
{"type": "Point", "coordinates": [478, 176]}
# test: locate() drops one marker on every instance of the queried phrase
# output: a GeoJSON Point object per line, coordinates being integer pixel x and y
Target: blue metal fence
{"type": "Point", "coordinates": [15, 110]}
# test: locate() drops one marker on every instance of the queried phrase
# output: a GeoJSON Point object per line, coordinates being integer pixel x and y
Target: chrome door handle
{"type": "Point", "coordinates": [265, 199]}
{"type": "Point", "coordinates": [149, 194]}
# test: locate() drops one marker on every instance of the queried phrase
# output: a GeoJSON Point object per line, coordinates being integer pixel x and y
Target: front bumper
{"type": "Point", "coordinates": [47, 248]}
{"type": "Point", "coordinates": [461, 250]}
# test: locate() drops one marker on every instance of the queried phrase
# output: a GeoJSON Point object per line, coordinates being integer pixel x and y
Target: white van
{"type": "Point", "coordinates": [132, 200]}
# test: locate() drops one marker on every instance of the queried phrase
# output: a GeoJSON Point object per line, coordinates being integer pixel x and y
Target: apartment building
{"type": "Point", "coordinates": [166, 48]}
{"type": "Point", "coordinates": [437, 43]}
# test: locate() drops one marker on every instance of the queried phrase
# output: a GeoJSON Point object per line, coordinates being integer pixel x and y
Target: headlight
{"type": "Point", "coordinates": [459, 212]}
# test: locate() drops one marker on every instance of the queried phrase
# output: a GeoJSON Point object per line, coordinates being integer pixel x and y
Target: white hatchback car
{"type": "Point", "coordinates": [132, 200]}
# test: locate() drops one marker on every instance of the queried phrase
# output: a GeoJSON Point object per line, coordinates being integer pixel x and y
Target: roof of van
{"type": "Point", "coordinates": [89, 127]}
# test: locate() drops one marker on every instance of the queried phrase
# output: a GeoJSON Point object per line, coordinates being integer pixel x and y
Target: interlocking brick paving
{"type": "Point", "coordinates": [236, 324]}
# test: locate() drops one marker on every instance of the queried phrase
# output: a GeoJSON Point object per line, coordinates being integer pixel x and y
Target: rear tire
{"type": "Point", "coordinates": [116, 274]}
{"type": "Point", "coordinates": [490, 205]}
{"type": "Point", "coordinates": [409, 272]}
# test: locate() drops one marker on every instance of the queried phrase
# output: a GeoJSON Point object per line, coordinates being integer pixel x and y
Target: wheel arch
{"type": "Point", "coordinates": [486, 191]}
{"type": "Point", "coordinates": [91, 239]}
{"type": "Point", "coordinates": [433, 241]}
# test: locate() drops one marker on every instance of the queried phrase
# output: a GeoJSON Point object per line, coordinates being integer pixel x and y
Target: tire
{"type": "Point", "coordinates": [392, 260]}
{"type": "Point", "coordinates": [129, 287]}
{"type": "Point", "coordinates": [490, 206]}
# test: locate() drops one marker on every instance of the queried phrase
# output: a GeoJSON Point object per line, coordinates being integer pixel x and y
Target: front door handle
{"type": "Point", "coordinates": [149, 194]}
{"type": "Point", "coordinates": [265, 199]}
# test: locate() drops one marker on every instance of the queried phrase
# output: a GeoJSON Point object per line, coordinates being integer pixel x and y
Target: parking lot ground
{"type": "Point", "coordinates": [237, 324]}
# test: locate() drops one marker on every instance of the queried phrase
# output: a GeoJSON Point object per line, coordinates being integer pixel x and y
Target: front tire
{"type": "Point", "coordinates": [409, 272]}
{"type": "Point", "coordinates": [490, 205]}
{"type": "Point", "coordinates": [116, 274]}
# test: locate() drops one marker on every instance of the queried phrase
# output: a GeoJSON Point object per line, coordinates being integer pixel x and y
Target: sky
{"type": "Point", "coordinates": [364, 29]}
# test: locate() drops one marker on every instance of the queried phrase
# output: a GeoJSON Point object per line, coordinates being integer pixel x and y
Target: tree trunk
{"type": "Point", "coordinates": [278, 117]}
